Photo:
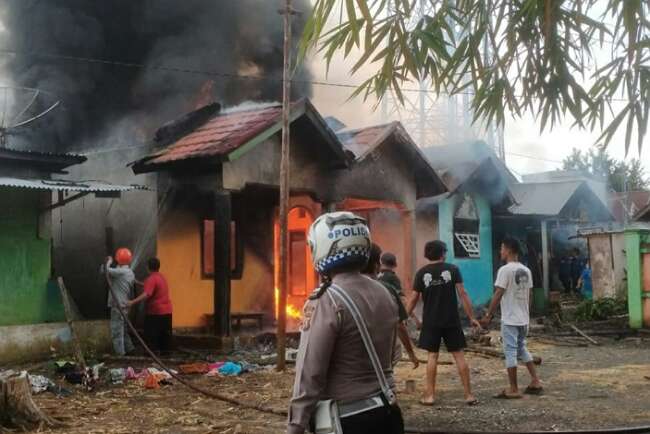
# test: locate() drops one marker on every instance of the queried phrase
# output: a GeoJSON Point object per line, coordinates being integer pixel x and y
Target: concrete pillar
{"type": "Point", "coordinates": [546, 275]}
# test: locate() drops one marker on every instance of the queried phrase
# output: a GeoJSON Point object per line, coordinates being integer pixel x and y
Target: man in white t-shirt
{"type": "Point", "coordinates": [512, 291]}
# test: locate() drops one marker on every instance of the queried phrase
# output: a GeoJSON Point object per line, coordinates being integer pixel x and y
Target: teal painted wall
{"type": "Point", "coordinates": [477, 273]}
{"type": "Point", "coordinates": [25, 296]}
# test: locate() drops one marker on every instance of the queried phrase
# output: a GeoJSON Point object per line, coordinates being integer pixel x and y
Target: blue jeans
{"type": "Point", "coordinates": [514, 344]}
{"type": "Point", "coordinates": [121, 340]}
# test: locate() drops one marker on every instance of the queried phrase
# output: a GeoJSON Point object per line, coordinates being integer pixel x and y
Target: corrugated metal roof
{"type": "Point", "coordinates": [65, 185]}
{"type": "Point", "coordinates": [546, 198]}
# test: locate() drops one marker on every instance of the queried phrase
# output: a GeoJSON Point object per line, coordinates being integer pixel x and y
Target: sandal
{"type": "Point", "coordinates": [427, 403]}
{"type": "Point", "coordinates": [472, 402]}
{"type": "Point", "coordinates": [534, 390]}
{"type": "Point", "coordinates": [505, 395]}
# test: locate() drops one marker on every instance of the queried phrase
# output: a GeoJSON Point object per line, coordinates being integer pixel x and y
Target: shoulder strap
{"type": "Point", "coordinates": [367, 341]}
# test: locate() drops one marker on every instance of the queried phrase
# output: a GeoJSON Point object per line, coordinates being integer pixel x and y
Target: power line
{"type": "Point", "coordinates": [530, 157]}
{"type": "Point", "coordinates": [236, 76]}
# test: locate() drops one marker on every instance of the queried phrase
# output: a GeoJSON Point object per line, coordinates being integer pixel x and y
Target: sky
{"type": "Point", "coordinates": [527, 150]}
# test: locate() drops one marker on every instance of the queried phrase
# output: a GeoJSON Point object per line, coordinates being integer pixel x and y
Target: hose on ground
{"type": "Point", "coordinates": [178, 378]}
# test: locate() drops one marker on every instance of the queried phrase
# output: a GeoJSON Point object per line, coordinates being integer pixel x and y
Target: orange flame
{"type": "Point", "coordinates": [292, 311]}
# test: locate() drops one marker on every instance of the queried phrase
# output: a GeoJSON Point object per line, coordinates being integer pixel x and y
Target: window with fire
{"type": "Point", "coordinates": [466, 229]}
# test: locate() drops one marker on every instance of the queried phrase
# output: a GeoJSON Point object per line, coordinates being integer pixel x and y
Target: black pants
{"type": "Point", "coordinates": [158, 332]}
{"type": "Point", "coordinates": [383, 420]}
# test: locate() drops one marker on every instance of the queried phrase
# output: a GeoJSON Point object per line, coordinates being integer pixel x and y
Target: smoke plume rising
{"type": "Point", "coordinates": [241, 37]}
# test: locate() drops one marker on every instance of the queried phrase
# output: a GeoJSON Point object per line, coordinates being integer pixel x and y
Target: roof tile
{"type": "Point", "coordinates": [221, 135]}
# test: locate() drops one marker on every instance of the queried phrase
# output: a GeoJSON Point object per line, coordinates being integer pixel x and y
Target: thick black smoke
{"type": "Point", "coordinates": [224, 36]}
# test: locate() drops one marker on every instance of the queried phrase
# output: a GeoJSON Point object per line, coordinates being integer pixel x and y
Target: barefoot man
{"type": "Point", "coordinates": [438, 283]}
{"type": "Point", "coordinates": [512, 291]}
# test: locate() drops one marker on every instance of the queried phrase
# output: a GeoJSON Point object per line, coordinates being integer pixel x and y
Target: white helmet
{"type": "Point", "coordinates": [337, 239]}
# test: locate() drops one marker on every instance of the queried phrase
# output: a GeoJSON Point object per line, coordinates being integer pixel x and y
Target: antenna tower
{"type": "Point", "coordinates": [442, 120]}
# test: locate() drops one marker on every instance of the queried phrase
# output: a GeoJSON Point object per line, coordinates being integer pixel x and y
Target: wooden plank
{"type": "Point", "coordinates": [633, 252]}
{"type": "Point", "coordinates": [584, 335]}
{"type": "Point", "coordinates": [76, 346]}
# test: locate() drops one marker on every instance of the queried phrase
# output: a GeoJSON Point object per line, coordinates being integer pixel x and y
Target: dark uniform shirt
{"type": "Point", "coordinates": [390, 277]}
{"type": "Point", "coordinates": [332, 360]}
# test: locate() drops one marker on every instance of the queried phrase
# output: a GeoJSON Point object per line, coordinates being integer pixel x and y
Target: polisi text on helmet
{"type": "Point", "coordinates": [347, 232]}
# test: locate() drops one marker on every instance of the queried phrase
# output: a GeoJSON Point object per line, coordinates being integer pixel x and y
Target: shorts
{"type": "Point", "coordinates": [514, 344]}
{"type": "Point", "coordinates": [454, 338]}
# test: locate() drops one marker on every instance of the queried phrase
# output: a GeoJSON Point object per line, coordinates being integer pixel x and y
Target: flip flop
{"type": "Point", "coordinates": [534, 390]}
{"type": "Point", "coordinates": [472, 402]}
{"type": "Point", "coordinates": [506, 395]}
{"type": "Point", "coordinates": [427, 403]}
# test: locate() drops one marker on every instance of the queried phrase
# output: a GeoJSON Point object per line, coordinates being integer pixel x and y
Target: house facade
{"type": "Point", "coordinates": [218, 236]}
{"type": "Point", "coordinates": [31, 309]}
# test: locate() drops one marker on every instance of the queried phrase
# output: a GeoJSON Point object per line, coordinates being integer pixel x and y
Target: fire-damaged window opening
{"type": "Point", "coordinates": [207, 250]}
{"type": "Point", "coordinates": [466, 229]}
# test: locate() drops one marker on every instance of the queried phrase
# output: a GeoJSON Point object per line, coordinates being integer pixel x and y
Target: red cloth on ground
{"type": "Point", "coordinates": [158, 301]}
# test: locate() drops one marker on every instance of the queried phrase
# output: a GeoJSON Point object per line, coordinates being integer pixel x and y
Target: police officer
{"type": "Point", "coordinates": [333, 362]}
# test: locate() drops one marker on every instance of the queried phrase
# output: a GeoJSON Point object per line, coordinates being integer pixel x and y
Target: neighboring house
{"type": "Point", "coordinates": [218, 175]}
{"type": "Point", "coordinates": [643, 215]}
{"type": "Point", "coordinates": [478, 185]}
{"type": "Point", "coordinates": [29, 298]}
{"type": "Point", "coordinates": [388, 164]}
{"type": "Point", "coordinates": [625, 206]}
{"type": "Point", "coordinates": [551, 212]}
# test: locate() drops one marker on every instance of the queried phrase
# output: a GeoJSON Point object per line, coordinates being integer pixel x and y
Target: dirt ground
{"type": "Point", "coordinates": [586, 388]}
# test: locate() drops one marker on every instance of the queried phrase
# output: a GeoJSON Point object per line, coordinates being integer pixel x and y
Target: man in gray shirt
{"type": "Point", "coordinates": [122, 281]}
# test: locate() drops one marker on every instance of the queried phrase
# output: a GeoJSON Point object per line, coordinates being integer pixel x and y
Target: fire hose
{"type": "Point", "coordinates": [174, 375]}
{"type": "Point", "coordinates": [264, 409]}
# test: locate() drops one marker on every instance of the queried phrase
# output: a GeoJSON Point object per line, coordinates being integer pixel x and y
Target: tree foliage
{"type": "Point", "coordinates": [546, 56]}
{"type": "Point", "coordinates": [597, 163]}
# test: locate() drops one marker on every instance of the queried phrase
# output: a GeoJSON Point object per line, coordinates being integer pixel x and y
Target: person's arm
{"type": "Point", "coordinates": [316, 345]}
{"type": "Point", "coordinates": [496, 299]}
{"type": "Point", "coordinates": [138, 299]}
{"type": "Point", "coordinates": [404, 337]}
{"type": "Point", "coordinates": [412, 302]}
{"type": "Point", "coordinates": [467, 304]}
{"type": "Point", "coordinates": [148, 288]}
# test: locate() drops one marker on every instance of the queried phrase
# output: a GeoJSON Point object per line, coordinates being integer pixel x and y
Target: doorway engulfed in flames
{"type": "Point", "coordinates": [302, 277]}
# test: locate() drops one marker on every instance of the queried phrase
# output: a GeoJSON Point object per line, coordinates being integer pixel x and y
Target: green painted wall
{"type": "Point", "coordinates": [25, 296]}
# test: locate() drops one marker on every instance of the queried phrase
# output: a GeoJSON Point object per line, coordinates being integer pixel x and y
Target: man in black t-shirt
{"type": "Point", "coordinates": [437, 283]}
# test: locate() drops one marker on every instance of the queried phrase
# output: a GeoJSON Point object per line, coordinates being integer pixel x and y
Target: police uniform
{"type": "Point", "coordinates": [333, 362]}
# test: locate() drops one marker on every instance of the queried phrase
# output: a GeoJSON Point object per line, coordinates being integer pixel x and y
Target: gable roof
{"type": "Point", "coordinates": [634, 201]}
{"type": "Point", "coordinates": [226, 135]}
{"type": "Point", "coordinates": [363, 141]}
{"type": "Point", "coordinates": [643, 215]}
{"type": "Point", "coordinates": [460, 161]}
{"type": "Point", "coordinates": [44, 161]}
{"type": "Point", "coordinates": [550, 198]}
{"type": "Point", "coordinates": [473, 166]}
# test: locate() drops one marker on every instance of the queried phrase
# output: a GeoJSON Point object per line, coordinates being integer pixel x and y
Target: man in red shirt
{"type": "Point", "coordinates": [158, 318]}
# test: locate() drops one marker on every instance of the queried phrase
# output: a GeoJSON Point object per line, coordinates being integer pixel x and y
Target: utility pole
{"type": "Point", "coordinates": [284, 191]}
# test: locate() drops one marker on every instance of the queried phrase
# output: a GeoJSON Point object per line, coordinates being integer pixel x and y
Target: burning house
{"type": "Point", "coordinates": [218, 174]}
{"type": "Point", "coordinates": [31, 320]}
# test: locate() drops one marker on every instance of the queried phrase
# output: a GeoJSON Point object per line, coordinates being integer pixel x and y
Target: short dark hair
{"type": "Point", "coordinates": [153, 264]}
{"type": "Point", "coordinates": [512, 244]}
{"type": "Point", "coordinates": [373, 259]}
{"type": "Point", "coordinates": [389, 260]}
{"type": "Point", "coordinates": [435, 250]}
